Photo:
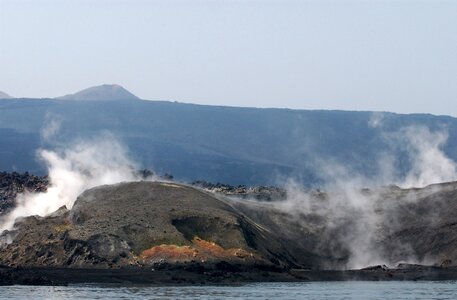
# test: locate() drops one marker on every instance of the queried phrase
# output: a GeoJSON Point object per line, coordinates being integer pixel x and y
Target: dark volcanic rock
{"type": "Point", "coordinates": [417, 225]}
{"type": "Point", "coordinates": [145, 223]}
{"type": "Point", "coordinates": [168, 226]}
{"type": "Point", "coordinates": [14, 183]}
{"type": "Point", "coordinates": [261, 193]}
{"type": "Point", "coordinates": [422, 224]}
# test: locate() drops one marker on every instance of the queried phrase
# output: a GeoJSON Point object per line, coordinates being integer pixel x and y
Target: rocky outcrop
{"type": "Point", "coordinates": [421, 225]}
{"type": "Point", "coordinates": [145, 224]}
{"type": "Point", "coordinates": [261, 193]}
{"type": "Point", "coordinates": [168, 225]}
{"type": "Point", "coordinates": [14, 183]}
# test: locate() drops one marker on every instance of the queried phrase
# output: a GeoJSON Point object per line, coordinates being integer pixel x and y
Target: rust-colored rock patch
{"type": "Point", "coordinates": [170, 253]}
{"type": "Point", "coordinates": [201, 250]}
{"type": "Point", "coordinates": [210, 249]}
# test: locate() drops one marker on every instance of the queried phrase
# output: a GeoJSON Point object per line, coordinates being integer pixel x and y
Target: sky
{"type": "Point", "coordinates": [398, 56]}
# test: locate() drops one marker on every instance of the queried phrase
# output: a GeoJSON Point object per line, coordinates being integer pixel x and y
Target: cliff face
{"type": "Point", "coordinates": [154, 224]}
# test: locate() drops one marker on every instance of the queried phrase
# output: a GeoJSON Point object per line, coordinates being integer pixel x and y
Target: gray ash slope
{"type": "Point", "coordinates": [14, 183]}
{"type": "Point", "coordinates": [416, 225]}
{"type": "Point", "coordinates": [142, 224]}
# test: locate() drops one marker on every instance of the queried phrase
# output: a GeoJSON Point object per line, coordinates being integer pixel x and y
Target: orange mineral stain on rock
{"type": "Point", "coordinates": [171, 253]}
{"type": "Point", "coordinates": [200, 250]}
{"type": "Point", "coordinates": [209, 247]}
{"type": "Point", "coordinates": [213, 249]}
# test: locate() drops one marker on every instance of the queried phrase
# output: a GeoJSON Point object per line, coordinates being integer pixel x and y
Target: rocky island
{"type": "Point", "coordinates": [162, 232]}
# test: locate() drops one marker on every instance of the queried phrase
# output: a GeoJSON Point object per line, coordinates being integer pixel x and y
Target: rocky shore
{"type": "Point", "coordinates": [190, 276]}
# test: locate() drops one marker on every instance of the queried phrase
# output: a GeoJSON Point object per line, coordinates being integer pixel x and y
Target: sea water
{"type": "Point", "coordinates": [312, 290]}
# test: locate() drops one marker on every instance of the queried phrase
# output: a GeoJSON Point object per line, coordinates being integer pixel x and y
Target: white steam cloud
{"type": "Point", "coordinates": [429, 164]}
{"type": "Point", "coordinates": [363, 213]}
{"type": "Point", "coordinates": [51, 127]}
{"type": "Point", "coordinates": [376, 119]}
{"type": "Point", "coordinates": [86, 164]}
{"type": "Point", "coordinates": [104, 160]}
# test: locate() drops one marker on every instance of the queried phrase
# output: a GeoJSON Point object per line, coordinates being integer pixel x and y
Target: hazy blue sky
{"type": "Point", "coordinates": [355, 55]}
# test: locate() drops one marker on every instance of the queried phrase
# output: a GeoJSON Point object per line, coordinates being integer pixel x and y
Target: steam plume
{"type": "Point", "coordinates": [359, 212]}
{"type": "Point", "coordinates": [51, 127]}
{"type": "Point", "coordinates": [429, 163]}
{"type": "Point", "coordinates": [86, 164]}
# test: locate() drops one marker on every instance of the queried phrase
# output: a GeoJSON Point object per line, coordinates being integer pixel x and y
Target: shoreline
{"type": "Point", "coordinates": [147, 276]}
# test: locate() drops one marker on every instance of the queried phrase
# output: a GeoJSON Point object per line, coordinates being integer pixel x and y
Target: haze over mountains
{"type": "Point", "coordinates": [227, 144]}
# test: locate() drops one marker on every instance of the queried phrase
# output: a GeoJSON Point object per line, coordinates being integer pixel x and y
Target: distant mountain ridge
{"type": "Point", "coordinates": [4, 95]}
{"type": "Point", "coordinates": [105, 92]}
{"type": "Point", "coordinates": [232, 145]}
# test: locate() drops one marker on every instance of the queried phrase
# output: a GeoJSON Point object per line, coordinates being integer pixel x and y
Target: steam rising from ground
{"type": "Point", "coordinates": [346, 205]}
{"type": "Point", "coordinates": [429, 163]}
{"type": "Point", "coordinates": [51, 127]}
{"type": "Point", "coordinates": [83, 165]}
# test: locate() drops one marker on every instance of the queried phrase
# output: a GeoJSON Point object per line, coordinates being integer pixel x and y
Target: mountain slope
{"type": "Point", "coordinates": [4, 95]}
{"type": "Point", "coordinates": [106, 92]}
{"type": "Point", "coordinates": [214, 143]}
